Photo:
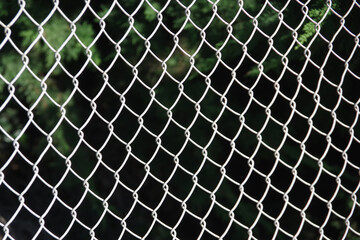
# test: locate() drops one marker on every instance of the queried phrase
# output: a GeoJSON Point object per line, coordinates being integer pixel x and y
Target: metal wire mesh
{"type": "Point", "coordinates": [252, 132]}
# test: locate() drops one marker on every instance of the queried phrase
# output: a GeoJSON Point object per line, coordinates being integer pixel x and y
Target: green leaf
{"type": "Point", "coordinates": [85, 32]}
{"type": "Point", "coordinates": [309, 29]}
{"type": "Point", "coordinates": [149, 13]}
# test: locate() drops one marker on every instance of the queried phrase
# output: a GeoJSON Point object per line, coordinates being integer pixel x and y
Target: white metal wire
{"type": "Point", "coordinates": [253, 100]}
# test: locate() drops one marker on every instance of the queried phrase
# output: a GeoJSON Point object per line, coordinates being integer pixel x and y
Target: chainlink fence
{"type": "Point", "coordinates": [179, 119]}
